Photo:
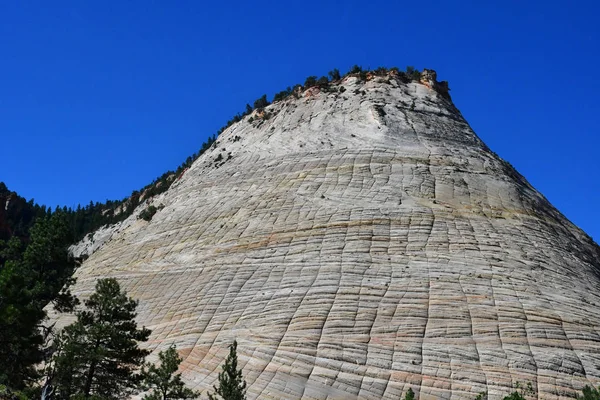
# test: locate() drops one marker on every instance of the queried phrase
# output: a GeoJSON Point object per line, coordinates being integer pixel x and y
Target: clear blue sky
{"type": "Point", "coordinates": [99, 98]}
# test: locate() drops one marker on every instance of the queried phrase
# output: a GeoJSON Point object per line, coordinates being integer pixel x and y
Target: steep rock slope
{"type": "Point", "coordinates": [356, 244]}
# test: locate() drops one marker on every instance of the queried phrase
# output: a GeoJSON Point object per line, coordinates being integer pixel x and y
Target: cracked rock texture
{"type": "Point", "coordinates": [356, 244]}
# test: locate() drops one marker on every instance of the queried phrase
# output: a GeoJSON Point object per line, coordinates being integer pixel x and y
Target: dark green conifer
{"type": "Point", "coordinates": [356, 69]}
{"type": "Point", "coordinates": [310, 82]}
{"type": "Point", "coordinates": [323, 82]}
{"type": "Point", "coordinates": [98, 355]}
{"type": "Point", "coordinates": [163, 381]}
{"type": "Point", "coordinates": [261, 102]}
{"type": "Point", "coordinates": [30, 278]}
{"type": "Point", "coordinates": [334, 74]}
{"type": "Point", "coordinates": [232, 385]}
{"type": "Point", "coordinates": [589, 393]}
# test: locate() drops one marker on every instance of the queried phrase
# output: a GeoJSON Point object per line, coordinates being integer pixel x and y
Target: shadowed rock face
{"type": "Point", "coordinates": [357, 244]}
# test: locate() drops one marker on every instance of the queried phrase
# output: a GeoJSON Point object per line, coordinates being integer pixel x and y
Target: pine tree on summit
{"type": "Point", "coordinates": [334, 74]}
{"type": "Point", "coordinates": [232, 385]}
{"type": "Point", "coordinates": [261, 103]}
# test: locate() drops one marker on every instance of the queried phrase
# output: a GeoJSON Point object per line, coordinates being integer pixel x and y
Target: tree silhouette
{"type": "Point", "coordinates": [334, 74]}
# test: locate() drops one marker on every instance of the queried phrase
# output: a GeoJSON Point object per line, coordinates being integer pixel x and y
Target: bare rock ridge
{"type": "Point", "coordinates": [357, 242]}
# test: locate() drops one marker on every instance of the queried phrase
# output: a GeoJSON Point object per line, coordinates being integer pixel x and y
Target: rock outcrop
{"type": "Point", "coordinates": [429, 79]}
{"type": "Point", "coordinates": [357, 243]}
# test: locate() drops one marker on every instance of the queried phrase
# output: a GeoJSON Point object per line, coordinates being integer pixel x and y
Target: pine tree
{"type": "Point", "coordinates": [413, 73]}
{"type": "Point", "coordinates": [261, 102]}
{"type": "Point", "coordinates": [410, 395]}
{"type": "Point", "coordinates": [310, 82]}
{"type": "Point", "coordinates": [334, 74]}
{"type": "Point", "coordinates": [232, 385]}
{"type": "Point", "coordinates": [323, 82]}
{"type": "Point", "coordinates": [162, 381]}
{"type": "Point", "coordinates": [30, 278]}
{"type": "Point", "coordinates": [98, 354]}
{"type": "Point", "coordinates": [356, 69]}
{"type": "Point", "coordinates": [589, 393]}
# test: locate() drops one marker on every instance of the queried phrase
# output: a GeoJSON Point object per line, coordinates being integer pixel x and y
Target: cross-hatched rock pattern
{"type": "Point", "coordinates": [358, 242]}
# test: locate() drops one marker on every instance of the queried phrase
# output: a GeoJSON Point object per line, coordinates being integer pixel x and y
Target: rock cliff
{"type": "Point", "coordinates": [357, 242]}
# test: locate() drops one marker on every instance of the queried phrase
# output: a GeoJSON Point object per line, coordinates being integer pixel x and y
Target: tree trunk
{"type": "Point", "coordinates": [91, 371]}
{"type": "Point", "coordinates": [88, 380]}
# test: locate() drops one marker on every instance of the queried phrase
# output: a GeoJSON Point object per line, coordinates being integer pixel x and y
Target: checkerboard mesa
{"type": "Point", "coordinates": [358, 239]}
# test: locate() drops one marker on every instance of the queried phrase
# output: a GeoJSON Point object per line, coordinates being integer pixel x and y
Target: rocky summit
{"type": "Point", "coordinates": [357, 241]}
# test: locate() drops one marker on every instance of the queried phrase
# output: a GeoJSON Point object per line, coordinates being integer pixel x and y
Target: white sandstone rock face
{"type": "Point", "coordinates": [93, 241]}
{"type": "Point", "coordinates": [357, 244]}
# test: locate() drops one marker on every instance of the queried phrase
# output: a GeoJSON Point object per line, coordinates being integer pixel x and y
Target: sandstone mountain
{"type": "Point", "coordinates": [357, 242]}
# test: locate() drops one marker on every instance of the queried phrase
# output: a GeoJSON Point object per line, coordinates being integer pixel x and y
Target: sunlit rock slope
{"type": "Point", "coordinates": [357, 243]}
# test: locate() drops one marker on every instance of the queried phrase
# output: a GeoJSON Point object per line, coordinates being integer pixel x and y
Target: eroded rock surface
{"type": "Point", "coordinates": [357, 244]}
